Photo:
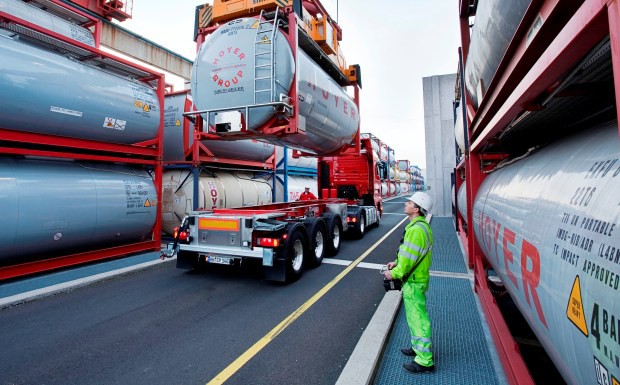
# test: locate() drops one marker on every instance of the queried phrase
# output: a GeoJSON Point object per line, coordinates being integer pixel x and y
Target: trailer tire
{"type": "Point", "coordinates": [334, 232]}
{"type": "Point", "coordinates": [318, 241]}
{"type": "Point", "coordinates": [296, 250]}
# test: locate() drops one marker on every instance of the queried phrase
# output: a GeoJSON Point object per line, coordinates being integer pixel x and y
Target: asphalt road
{"type": "Point", "coordinates": [169, 326]}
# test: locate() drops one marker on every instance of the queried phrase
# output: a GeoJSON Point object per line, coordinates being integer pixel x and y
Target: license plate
{"type": "Point", "coordinates": [220, 260]}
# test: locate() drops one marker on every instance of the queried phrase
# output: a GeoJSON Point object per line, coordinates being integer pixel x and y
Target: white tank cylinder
{"type": "Point", "coordinates": [218, 190]}
{"type": "Point", "coordinates": [392, 156]}
{"type": "Point", "coordinates": [459, 130]}
{"type": "Point", "coordinates": [461, 200]}
{"type": "Point", "coordinates": [295, 186]}
{"type": "Point", "coordinates": [404, 187]}
{"type": "Point", "coordinates": [232, 70]}
{"type": "Point", "coordinates": [549, 225]}
{"type": "Point", "coordinates": [308, 162]}
{"type": "Point", "coordinates": [383, 152]}
{"type": "Point", "coordinates": [37, 16]}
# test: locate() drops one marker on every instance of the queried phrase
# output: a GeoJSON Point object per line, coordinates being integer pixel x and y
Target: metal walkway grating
{"type": "Point", "coordinates": [460, 348]}
{"type": "Point", "coordinates": [447, 254]}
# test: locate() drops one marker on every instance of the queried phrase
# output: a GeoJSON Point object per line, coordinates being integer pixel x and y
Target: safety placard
{"type": "Point", "coordinates": [574, 310]}
{"type": "Point", "coordinates": [218, 224]}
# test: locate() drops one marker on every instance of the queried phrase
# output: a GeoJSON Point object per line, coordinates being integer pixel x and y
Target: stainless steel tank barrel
{"type": "Point", "coordinates": [37, 16]}
{"type": "Point", "coordinates": [495, 24]}
{"type": "Point", "coordinates": [51, 206]}
{"type": "Point", "coordinates": [174, 148]}
{"type": "Point", "coordinates": [45, 93]}
{"type": "Point", "coordinates": [549, 225]}
{"type": "Point", "coordinates": [227, 74]}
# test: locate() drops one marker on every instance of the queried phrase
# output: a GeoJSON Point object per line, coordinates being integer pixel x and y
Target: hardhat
{"type": "Point", "coordinates": [423, 200]}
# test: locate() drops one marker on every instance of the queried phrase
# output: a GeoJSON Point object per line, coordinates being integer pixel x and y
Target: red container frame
{"type": "Point", "coordinates": [527, 70]}
{"type": "Point", "coordinates": [148, 153]}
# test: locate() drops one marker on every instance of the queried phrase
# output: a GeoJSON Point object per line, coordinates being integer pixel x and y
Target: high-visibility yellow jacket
{"type": "Point", "coordinates": [417, 241]}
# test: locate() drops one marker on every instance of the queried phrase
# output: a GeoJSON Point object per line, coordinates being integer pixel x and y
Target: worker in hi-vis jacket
{"type": "Point", "coordinates": [412, 267]}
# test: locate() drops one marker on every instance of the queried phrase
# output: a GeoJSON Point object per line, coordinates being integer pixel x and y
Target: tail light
{"type": "Point", "coordinates": [268, 242]}
{"type": "Point", "coordinates": [176, 232]}
{"type": "Point", "coordinates": [184, 236]}
{"type": "Point", "coordinates": [351, 219]}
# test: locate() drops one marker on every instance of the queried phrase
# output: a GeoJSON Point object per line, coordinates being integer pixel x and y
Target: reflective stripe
{"type": "Point", "coordinates": [429, 246]}
{"type": "Point", "coordinates": [405, 254]}
{"type": "Point", "coordinates": [413, 247]}
{"type": "Point", "coordinates": [421, 348]}
{"type": "Point", "coordinates": [422, 339]}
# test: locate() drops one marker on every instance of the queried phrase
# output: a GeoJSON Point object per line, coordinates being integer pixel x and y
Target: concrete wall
{"type": "Point", "coordinates": [440, 145]}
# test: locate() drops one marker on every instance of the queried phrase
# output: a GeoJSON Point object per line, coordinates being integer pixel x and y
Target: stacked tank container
{"type": "Point", "coordinates": [80, 145]}
{"type": "Point", "coordinates": [538, 103]}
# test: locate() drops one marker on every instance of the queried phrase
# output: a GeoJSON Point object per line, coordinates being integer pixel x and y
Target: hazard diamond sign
{"type": "Point", "coordinates": [574, 310]}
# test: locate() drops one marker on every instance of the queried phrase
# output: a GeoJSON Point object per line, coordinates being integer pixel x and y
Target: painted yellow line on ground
{"type": "Point", "coordinates": [260, 344]}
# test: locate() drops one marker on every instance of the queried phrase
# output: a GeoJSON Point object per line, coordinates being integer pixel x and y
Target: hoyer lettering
{"type": "Point", "coordinates": [346, 109]}
{"type": "Point", "coordinates": [230, 51]}
{"type": "Point", "coordinates": [528, 255]}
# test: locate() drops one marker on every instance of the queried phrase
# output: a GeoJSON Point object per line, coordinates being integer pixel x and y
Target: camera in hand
{"type": "Point", "coordinates": [392, 284]}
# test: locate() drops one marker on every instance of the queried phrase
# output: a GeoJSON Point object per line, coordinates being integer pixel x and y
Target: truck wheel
{"type": "Point", "coordinates": [295, 250]}
{"type": "Point", "coordinates": [318, 242]}
{"type": "Point", "coordinates": [334, 230]}
{"type": "Point", "coordinates": [361, 226]}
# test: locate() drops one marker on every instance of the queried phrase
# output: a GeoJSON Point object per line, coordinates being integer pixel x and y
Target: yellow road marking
{"type": "Point", "coordinates": [264, 341]}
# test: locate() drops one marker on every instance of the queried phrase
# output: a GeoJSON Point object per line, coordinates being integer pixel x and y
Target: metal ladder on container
{"type": "Point", "coordinates": [265, 36]}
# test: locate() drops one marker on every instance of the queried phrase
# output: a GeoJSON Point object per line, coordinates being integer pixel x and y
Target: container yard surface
{"type": "Point", "coordinates": [463, 349]}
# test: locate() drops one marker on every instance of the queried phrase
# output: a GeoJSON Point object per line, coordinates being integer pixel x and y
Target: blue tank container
{"type": "Point", "coordinates": [50, 207]}
{"type": "Point", "coordinates": [42, 92]}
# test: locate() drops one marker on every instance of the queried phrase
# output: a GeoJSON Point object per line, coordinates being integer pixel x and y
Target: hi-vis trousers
{"type": "Point", "coordinates": [414, 297]}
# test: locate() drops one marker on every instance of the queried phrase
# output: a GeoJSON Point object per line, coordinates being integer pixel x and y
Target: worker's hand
{"type": "Point", "coordinates": [391, 265]}
{"type": "Point", "coordinates": [387, 274]}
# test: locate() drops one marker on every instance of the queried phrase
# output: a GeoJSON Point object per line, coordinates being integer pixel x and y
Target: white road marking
{"type": "Point", "coordinates": [378, 266]}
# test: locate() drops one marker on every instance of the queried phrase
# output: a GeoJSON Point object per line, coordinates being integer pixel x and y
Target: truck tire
{"type": "Point", "coordinates": [318, 241]}
{"type": "Point", "coordinates": [360, 229]}
{"type": "Point", "coordinates": [296, 248]}
{"type": "Point", "coordinates": [334, 232]}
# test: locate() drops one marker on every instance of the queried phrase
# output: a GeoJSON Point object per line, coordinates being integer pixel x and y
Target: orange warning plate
{"type": "Point", "coordinates": [218, 224]}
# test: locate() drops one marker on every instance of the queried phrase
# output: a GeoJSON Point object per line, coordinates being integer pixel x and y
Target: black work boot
{"type": "Point", "coordinates": [408, 352]}
{"type": "Point", "coordinates": [414, 367]}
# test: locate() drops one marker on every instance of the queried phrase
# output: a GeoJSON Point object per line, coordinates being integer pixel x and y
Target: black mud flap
{"type": "Point", "coordinates": [277, 272]}
{"type": "Point", "coordinates": [187, 260]}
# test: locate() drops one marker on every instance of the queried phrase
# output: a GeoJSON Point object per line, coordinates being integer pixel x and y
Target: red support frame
{"type": "Point", "coordinates": [528, 70]}
{"type": "Point", "coordinates": [148, 153]}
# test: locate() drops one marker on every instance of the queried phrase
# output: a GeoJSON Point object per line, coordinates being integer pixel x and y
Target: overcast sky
{"type": "Point", "coordinates": [396, 43]}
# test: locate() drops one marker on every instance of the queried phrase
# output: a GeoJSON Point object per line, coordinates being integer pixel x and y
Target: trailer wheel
{"type": "Point", "coordinates": [334, 230]}
{"type": "Point", "coordinates": [296, 247]}
{"type": "Point", "coordinates": [318, 241]}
